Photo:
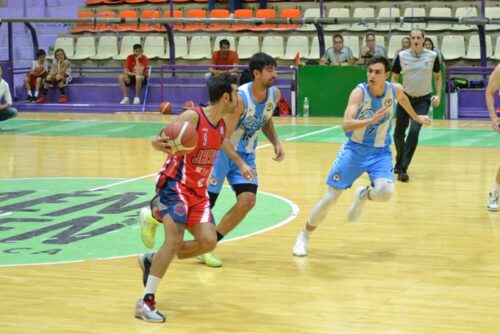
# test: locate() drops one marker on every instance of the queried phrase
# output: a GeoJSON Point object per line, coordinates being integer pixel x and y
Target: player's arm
{"type": "Point", "coordinates": [350, 122]}
{"type": "Point", "coordinates": [438, 82]}
{"type": "Point", "coordinates": [491, 90]}
{"type": "Point", "coordinates": [270, 133]}
{"type": "Point", "coordinates": [405, 103]}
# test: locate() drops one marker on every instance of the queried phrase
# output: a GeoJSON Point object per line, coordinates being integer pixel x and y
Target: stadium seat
{"type": "Point", "coordinates": [218, 14]}
{"type": "Point", "coordinates": [65, 43]}
{"type": "Point", "coordinates": [362, 12]}
{"type": "Point", "coordinates": [194, 14]}
{"type": "Point", "coordinates": [273, 46]}
{"type": "Point", "coordinates": [289, 13]}
{"type": "Point", "coordinates": [154, 46]}
{"type": "Point", "coordinates": [128, 14]}
{"type": "Point", "coordinates": [247, 46]}
{"type": "Point", "coordinates": [133, 2]}
{"type": "Point", "coordinates": [107, 48]}
{"type": "Point", "coordinates": [232, 42]}
{"type": "Point", "coordinates": [492, 12]}
{"type": "Point", "coordinates": [199, 48]}
{"type": "Point", "coordinates": [474, 50]}
{"type": "Point", "coordinates": [453, 47]}
{"type": "Point", "coordinates": [181, 48]}
{"type": "Point", "coordinates": [85, 48]}
{"type": "Point", "coordinates": [83, 27]}
{"type": "Point", "coordinates": [94, 2]}
{"type": "Point", "coordinates": [338, 13]}
{"type": "Point", "coordinates": [413, 12]}
{"type": "Point", "coordinates": [127, 46]}
{"type": "Point", "coordinates": [465, 12]}
{"type": "Point", "coordinates": [105, 14]}
{"type": "Point", "coordinates": [353, 43]}
{"type": "Point", "coordinates": [496, 54]}
{"type": "Point", "coordinates": [146, 27]}
{"type": "Point", "coordinates": [242, 14]}
{"type": "Point", "coordinates": [309, 12]}
{"type": "Point", "coordinates": [264, 14]}
{"type": "Point", "coordinates": [388, 12]}
{"type": "Point", "coordinates": [314, 52]}
{"type": "Point", "coordinates": [176, 14]}
{"type": "Point", "coordinates": [439, 12]}
{"type": "Point", "coordinates": [394, 45]}
{"type": "Point", "coordinates": [294, 45]}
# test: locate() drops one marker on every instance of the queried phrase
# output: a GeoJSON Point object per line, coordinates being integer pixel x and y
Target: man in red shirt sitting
{"type": "Point", "coordinates": [223, 57]}
{"type": "Point", "coordinates": [135, 72]}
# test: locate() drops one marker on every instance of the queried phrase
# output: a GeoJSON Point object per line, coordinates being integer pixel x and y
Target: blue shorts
{"type": "Point", "coordinates": [354, 159]}
{"type": "Point", "coordinates": [226, 168]}
{"type": "Point", "coordinates": [183, 204]}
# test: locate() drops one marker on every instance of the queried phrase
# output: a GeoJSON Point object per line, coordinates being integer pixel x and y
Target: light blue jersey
{"type": "Point", "coordinates": [378, 134]}
{"type": "Point", "coordinates": [255, 116]}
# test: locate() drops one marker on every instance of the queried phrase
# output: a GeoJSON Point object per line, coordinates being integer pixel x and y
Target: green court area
{"type": "Point", "coordinates": [298, 133]}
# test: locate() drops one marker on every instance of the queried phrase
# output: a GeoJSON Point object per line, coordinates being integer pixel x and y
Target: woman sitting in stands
{"type": "Point", "coordinates": [36, 75]}
{"type": "Point", "coordinates": [428, 44]}
{"type": "Point", "coordinates": [60, 76]}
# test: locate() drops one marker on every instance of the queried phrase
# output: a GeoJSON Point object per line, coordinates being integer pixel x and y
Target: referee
{"type": "Point", "coordinates": [417, 65]}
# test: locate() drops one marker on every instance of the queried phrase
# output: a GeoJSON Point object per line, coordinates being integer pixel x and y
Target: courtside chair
{"type": "Point", "coordinates": [353, 43]}
{"type": "Point", "coordinates": [363, 12]}
{"type": "Point", "coordinates": [85, 48]}
{"type": "Point", "coordinates": [388, 12]}
{"type": "Point", "coordinates": [453, 47]}
{"type": "Point", "coordinates": [83, 27]}
{"type": "Point", "coordinates": [474, 50]}
{"type": "Point", "coordinates": [264, 14]}
{"type": "Point", "coordinates": [413, 12]}
{"type": "Point", "coordinates": [492, 12]}
{"type": "Point", "coordinates": [107, 48]}
{"type": "Point", "coordinates": [314, 52]}
{"type": "Point", "coordinates": [232, 42]}
{"type": "Point", "coordinates": [127, 46]}
{"type": "Point", "coordinates": [289, 13]}
{"type": "Point", "coordinates": [146, 27]}
{"type": "Point", "coordinates": [309, 12]}
{"type": "Point", "coordinates": [338, 12]}
{"type": "Point", "coordinates": [194, 14]}
{"type": "Point", "coordinates": [199, 48]}
{"type": "Point", "coordinates": [247, 46]}
{"type": "Point", "coordinates": [242, 14]}
{"type": "Point", "coordinates": [65, 43]}
{"type": "Point", "coordinates": [465, 12]}
{"type": "Point", "coordinates": [154, 46]}
{"type": "Point", "coordinates": [439, 12]}
{"type": "Point", "coordinates": [273, 46]}
{"type": "Point", "coordinates": [294, 45]}
{"type": "Point", "coordinates": [218, 14]}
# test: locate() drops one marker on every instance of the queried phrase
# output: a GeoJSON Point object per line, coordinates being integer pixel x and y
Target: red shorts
{"type": "Point", "coordinates": [182, 204]}
{"type": "Point", "coordinates": [33, 81]}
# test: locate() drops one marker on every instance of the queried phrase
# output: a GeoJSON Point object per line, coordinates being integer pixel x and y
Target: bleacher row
{"type": "Point", "coordinates": [200, 46]}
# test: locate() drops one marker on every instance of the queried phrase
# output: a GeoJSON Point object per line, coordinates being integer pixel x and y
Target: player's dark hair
{"type": "Point", "coordinates": [40, 52]}
{"type": "Point", "coordinates": [220, 84]}
{"type": "Point", "coordinates": [261, 60]}
{"type": "Point", "coordinates": [379, 59]}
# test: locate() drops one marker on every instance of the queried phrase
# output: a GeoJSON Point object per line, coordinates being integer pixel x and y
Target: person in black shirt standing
{"type": "Point", "coordinates": [418, 66]}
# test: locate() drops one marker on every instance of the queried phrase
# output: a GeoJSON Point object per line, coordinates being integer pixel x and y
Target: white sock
{"type": "Point", "coordinates": [29, 93]}
{"type": "Point", "coordinates": [36, 93]}
{"type": "Point", "coordinates": [152, 284]}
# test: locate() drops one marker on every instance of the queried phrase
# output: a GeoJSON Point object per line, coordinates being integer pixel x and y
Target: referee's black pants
{"type": "Point", "coordinates": [406, 149]}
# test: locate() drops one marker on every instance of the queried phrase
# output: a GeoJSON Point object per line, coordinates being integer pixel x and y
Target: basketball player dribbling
{"type": "Point", "coordinates": [491, 91]}
{"type": "Point", "coordinates": [367, 123]}
{"type": "Point", "coordinates": [182, 202]}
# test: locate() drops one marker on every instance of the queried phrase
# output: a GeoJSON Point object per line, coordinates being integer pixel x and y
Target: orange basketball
{"type": "Point", "coordinates": [183, 137]}
{"type": "Point", "coordinates": [165, 108]}
{"type": "Point", "coordinates": [188, 105]}
{"type": "Point", "coordinates": [38, 71]}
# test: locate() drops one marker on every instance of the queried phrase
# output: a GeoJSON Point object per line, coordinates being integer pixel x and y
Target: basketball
{"type": "Point", "coordinates": [183, 137]}
{"type": "Point", "coordinates": [188, 105]}
{"type": "Point", "coordinates": [165, 108]}
{"type": "Point", "coordinates": [38, 71]}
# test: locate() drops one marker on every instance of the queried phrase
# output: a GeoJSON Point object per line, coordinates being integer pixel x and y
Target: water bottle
{"type": "Point", "coordinates": [305, 110]}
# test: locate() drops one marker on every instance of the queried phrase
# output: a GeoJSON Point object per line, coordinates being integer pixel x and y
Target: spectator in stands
{"type": "Point", "coordinates": [405, 44]}
{"type": "Point", "coordinates": [338, 55]}
{"type": "Point", "coordinates": [6, 110]}
{"type": "Point", "coordinates": [429, 45]}
{"type": "Point", "coordinates": [60, 76]}
{"type": "Point", "coordinates": [371, 49]}
{"type": "Point", "coordinates": [36, 75]}
{"type": "Point", "coordinates": [223, 57]}
{"type": "Point", "coordinates": [135, 72]}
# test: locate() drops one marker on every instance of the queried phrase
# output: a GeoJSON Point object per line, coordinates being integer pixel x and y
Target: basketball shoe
{"type": "Point", "coordinates": [300, 247]}
{"type": "Point", "coordinates": [355, 210]}
{"type": "Point", "coordinates": [493, 201]}
{"type": "Point", "coordinates": [148, 227]}
{"type": "Point", "coordinates": [145, 309]}
{"type": "Point", "coordinates": [210, 260]}
{"type": "Point", "coordinates": [145, 261]}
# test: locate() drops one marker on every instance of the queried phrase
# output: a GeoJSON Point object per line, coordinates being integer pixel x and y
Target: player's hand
{"type": "Point", "coordinates": [247, 172]}
{"type": "Point", "coordinates": [422, 119]}
{"type": "Point", "coordinates": [378, 115]}
{"type": "Point", "coordinates": [162, 143]}
{"type": "Point", "coordinates": [279, 155]}
{"type": "Point", "coordinates": [495, 124]}
{"type": "Point", "coordinates": [435, 100]}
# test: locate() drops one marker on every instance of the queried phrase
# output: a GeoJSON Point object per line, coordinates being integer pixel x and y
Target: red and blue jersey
{"type": "Point", "coordinates": [194, 169]}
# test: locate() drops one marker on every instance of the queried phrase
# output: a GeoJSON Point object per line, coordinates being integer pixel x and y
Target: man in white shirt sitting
{"type": "Point", "coordinates": [6, 110]}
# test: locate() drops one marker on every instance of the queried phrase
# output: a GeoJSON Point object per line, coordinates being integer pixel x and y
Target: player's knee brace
{"type": "Point", "coordinates": [382, 192]}
{"type": "Point", "coordinates": [321, 209]}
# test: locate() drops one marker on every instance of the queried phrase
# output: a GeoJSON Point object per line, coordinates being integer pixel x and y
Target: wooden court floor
{"type": "Point", "coordinates": [428, 261]}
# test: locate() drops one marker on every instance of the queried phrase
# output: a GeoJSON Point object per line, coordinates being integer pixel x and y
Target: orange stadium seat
{"type": "Point", "coordinates": [150, 14]}
{"type": "Point", "coordinates": [195, 14]}
{"type": "Point", "coordinates": [265, 14]}
{"type": "Point", "coordinates": [218, 14]}
{"type": "Point", "coordinates": [157, 1]}
{"type": "Point", "coordinates": [94, 2]}
{"type": "Point", "coordinates": [177, 14]}
{"type": "Point", "coordinates": [128, 14]}
{"type": "Point", "coordinates": [83, 27]}
{"type": "Point", "coordinates": [289, 13]}
{"type": "Point", "coordinates": [113, 2]}
{"type": "Point", "coordinates": [132, 2]}
{"type": "Point", "coordinates": [100, 27]}
{"type": "Point", "coordinates": [242, 14]}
